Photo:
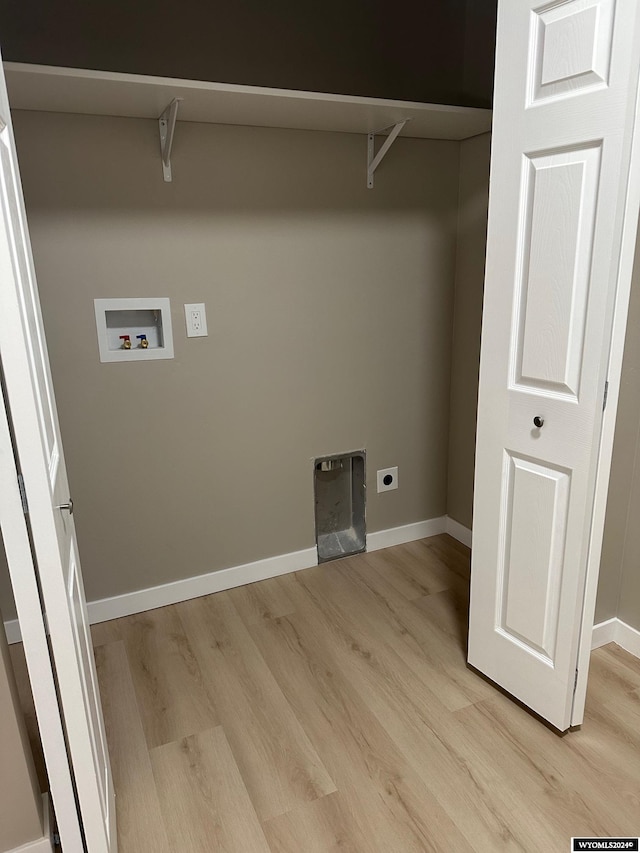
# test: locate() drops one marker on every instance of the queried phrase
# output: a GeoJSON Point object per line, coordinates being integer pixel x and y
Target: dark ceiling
{"type": "Point", "coordinates": [438, 51]}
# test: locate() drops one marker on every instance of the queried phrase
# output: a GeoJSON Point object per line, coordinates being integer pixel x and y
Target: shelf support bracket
{"type": "Point", "coordinates": [373, 159]}
{"type": "Point", "coordinates": [167, 125]}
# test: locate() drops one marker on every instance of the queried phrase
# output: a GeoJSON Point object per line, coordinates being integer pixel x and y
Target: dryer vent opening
{"type": "Point", "coordinates": [339, 485]}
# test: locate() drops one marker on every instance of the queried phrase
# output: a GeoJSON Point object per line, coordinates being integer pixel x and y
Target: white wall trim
{"type": "Point", "coordinates": [603, 633]}
{"type": "Point", "coordinates": [40, 845]}
{"type": "Point", "coordinates": [628, 638]}
{"type": "Point", "coordinates": [181, 590]}
{"type": "Point", "coordinates": [458, 531]}
{"type": "Point", "coordinates": [616, 631]}
{"type": "Point", "coordinates": [186, 588]}
{"type": "Point", "coordinates": [610, 631]}
{"type": "Point", "coordinates": [406, 533]}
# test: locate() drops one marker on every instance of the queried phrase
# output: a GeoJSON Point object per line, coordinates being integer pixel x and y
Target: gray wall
{"type": "Point", "coordinates": [467, 321]}
{"type": "Point", "coordinates": [329, 310]}
{"type": "Point", "coordinates": [619, 583]}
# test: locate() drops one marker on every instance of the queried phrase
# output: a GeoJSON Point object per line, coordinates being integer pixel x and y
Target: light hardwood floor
{"type": "Point", "coordinates": [332, 710]}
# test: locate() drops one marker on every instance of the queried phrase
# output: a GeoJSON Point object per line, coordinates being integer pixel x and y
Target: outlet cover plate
{"type": "Point", "coordinates": [196, 319]}
{"type": "Point", "coordinates": [391, 476]}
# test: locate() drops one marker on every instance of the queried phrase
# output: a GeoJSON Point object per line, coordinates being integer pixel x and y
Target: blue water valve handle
{"type": "Point", "coordinates": [144, 343]}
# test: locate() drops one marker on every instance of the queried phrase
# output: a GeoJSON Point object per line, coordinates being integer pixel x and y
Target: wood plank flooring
{"type": "Point", "coordinates": [332, 710]}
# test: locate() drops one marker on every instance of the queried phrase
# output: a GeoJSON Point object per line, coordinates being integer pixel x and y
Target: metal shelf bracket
{"type": "Point", "coordinates": [373, 159]}
{"type": "Point", "coordinates": [167, 125]}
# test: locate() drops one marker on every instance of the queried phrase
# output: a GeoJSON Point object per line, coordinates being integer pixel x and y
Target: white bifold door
{"type": "Point", "coordinates": [40, 542]}
{"type": "Point", "coordinates": [562, 191]}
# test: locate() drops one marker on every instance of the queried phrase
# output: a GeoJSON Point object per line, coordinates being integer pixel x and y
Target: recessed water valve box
{"type": "Point", "coordinates": [340, 505]}
{"type": "Point", "coordinates": [134, 329]}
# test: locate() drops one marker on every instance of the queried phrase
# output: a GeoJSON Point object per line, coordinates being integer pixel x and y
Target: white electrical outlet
{"type": "Point", "coordinates": [196, 318]}
{"type": "Point", "coordinates": [387, 479]}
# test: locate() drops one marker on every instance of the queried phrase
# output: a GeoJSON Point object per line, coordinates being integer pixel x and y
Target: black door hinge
{"type": "Point", "coordinates": [606, 394]}
{"type": "Point", "coordinates": [23, 494]}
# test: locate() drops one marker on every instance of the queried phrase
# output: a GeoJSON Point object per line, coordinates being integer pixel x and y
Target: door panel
{"type": "Point", "coordinates": [570, 48]}
{"type": "Point", "coordinates": [560, 191]}
{"type": "Point", "coordinates": [566, 80]}
{"type": "Point", "coordinates": [528, 597]}
{"type": "Point", "coordinates": [30, 400]}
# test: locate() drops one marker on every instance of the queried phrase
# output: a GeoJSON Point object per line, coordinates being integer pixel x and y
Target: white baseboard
{"type": "Point", "coordinates": [40, 845]}
{"type": "Point", "coordinates": [171, 593]}
{"type": "Point", "coordinates": [628, 638]}
{"type": "Point", "coordinates": [616, 631]}
{"type": "Point", "coordinates": [603, 633]}
{"type": "Point", "coordinates": [458, 531]}
{"type": "Point", "coordinates": [186, 588]}
{"type": "Point", "coordinates": [405, 533]}
{"type": "Point", "coordinates": [611, 631]}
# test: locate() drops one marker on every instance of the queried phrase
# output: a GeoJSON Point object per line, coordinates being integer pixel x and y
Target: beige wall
{"type": "Point", "coordinates": [20, 799]}
{"type": "Point", "coordinates": [467, 321]}
{"type": "Point", "coordinates": [329, 310]}
{"type": "Point", "coordinates": [619, 586]}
